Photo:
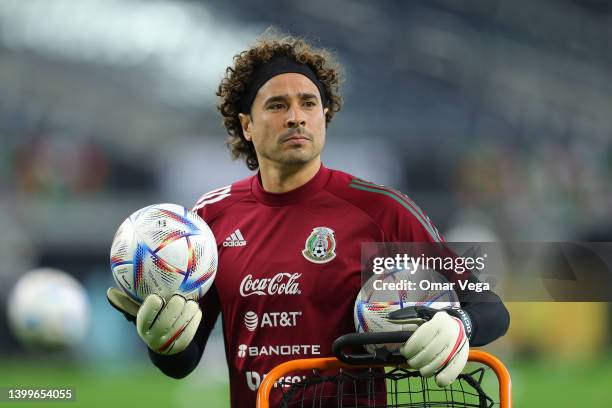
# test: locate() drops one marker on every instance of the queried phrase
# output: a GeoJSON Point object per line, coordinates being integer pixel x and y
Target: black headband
{"type": "Point", "coordinates": [277, 66]}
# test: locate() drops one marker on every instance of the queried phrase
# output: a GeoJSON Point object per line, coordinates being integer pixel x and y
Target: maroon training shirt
{"type": "Point", "coordinates": [289, 266]}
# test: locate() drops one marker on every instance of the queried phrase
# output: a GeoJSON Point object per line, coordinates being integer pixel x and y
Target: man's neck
{"type": "Point", "coordinates": [277, 178]}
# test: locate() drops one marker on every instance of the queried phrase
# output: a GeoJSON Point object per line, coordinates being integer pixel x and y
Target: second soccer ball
{"type": "Point", "coordinates": [376, 300]}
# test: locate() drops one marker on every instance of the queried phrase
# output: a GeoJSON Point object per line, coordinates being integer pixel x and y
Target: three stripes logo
{"type": "Point", "coordinates": [235, 240]}
{"type": "Point", "coordinates": [213, 197]}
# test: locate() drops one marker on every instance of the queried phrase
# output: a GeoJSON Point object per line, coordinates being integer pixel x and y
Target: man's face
{"type": "Point", "coordinates": [287, 121]}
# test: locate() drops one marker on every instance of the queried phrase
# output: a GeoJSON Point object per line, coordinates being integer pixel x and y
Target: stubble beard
{"type": "Point", "coordinates": [295, 156]}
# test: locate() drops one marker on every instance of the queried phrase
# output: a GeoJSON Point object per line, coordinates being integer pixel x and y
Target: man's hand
{"type": "Point", "coordinates": [438, 347]}
{"type": "Point", "coordinates": [168, 327]}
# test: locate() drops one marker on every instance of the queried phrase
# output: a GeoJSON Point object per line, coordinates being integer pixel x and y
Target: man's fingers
{"type": "Point", "coordinates": [454, 367]}
{"type": "Point", "coordinates": [148, 313]}
{"type": "Point", "coordinates": [191, 309]}
{"type": "Point", "coordinates": [188, 331]}
{"type": "Point", "coordinates": [122, 302]}
{"type": "Point", "coordinates": [423, 336]}
{"type": "Point", "coordinates": [430, 352]}
{"type": "Point", "coordinates": [438, 346]}
{"type": "Point", "coordinates": [168, 316]}
{"type": "Point", "coordinates": [443, 359]}
{"type": "Point", "coordinates": [168, 327]}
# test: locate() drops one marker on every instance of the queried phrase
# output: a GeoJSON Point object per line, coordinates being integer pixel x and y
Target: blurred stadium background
{"type": "Point", "coordinates": [494, 116]}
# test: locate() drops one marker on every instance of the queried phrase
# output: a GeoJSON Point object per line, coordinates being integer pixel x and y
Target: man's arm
{"type": "Point", "coordinates": [488, 315]}
{"type": "Point", "coordinates": [440, 346]}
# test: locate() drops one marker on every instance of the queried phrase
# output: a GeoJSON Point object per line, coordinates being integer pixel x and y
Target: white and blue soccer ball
{"type": "Point", "coordinates": [48, 308]}
{"type": "Point", "coordinates": [164, 249]}
{"type": "Point", "coordinates": [373, 306]}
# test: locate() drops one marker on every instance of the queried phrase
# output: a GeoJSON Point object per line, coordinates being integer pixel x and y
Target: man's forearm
{"type": "Point", "coordinates": [490, 321]}
{"type": "Point", "coordinates": [179, 365]}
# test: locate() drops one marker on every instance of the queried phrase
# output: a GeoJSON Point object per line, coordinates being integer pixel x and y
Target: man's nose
{"type": "Point", "coordinates": [295, 117]}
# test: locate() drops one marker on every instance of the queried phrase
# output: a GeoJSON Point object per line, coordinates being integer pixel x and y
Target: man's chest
{"type": "Point", "coordinates": [289, 256]}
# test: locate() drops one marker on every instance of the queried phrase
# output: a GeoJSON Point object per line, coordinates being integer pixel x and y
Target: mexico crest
{"type": "Point", "coordinates": [320, 245]}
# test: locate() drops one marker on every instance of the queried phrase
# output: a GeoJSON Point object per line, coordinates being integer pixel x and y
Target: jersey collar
{"type": "Point", "coordinates": [295, 196]}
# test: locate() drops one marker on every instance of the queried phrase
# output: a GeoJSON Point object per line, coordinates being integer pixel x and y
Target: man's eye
{"type": "Point", "coordinates": [276, 106]}
{"type": "Point", "coordinates": [310, 104]}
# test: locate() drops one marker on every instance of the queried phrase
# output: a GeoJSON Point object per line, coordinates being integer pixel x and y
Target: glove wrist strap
{"type": "Point", "coordinates": [465, 319]}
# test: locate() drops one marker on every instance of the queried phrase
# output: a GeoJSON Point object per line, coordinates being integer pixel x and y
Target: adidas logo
{"type": "Point", "coordinates": [235, 240]}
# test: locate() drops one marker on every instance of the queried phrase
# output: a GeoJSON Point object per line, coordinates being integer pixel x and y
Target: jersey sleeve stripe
{"type": "Point", "coordinates": [212, 197]}
{"type": "Point", "coordinates": [405, 198]}
{"type": "Point", "coordinates": [218, 192]}
{"type": "Point", "coordinates": [428, 227]}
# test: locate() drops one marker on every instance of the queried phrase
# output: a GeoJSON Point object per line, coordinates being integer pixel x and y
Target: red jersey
{"type": "Point", "coordinates": [289, 266]}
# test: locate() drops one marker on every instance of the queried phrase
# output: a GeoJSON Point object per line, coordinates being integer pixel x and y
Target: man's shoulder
{"type": "Point", "coordinates": [210, 204]}
{"type": "Point", "coordinates": [367, 195]}
{"type": "Point", "coordinates": [389, 208]}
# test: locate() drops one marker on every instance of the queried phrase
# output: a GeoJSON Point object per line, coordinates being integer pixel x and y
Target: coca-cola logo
{"type": "Point", "coordinates": [283, 283]}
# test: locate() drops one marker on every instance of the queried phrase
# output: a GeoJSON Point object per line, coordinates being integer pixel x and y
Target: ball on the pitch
{"type": "Point", "coordinates": [48, 308]}
{"type": "Point", "coordinates": [372, 306]}
{"type": "Point", "coordinates": [164, 249]}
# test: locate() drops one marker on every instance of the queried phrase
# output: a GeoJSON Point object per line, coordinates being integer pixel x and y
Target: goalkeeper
{"type": "Point", "coordinates": [289, 237]}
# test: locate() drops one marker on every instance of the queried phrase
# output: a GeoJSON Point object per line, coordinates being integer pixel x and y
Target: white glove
{"type": "Point", "coordinates": [438, 347]}
{"type": "Point", "coordinates": [168, 328]}
{"type": "Point", "coordinates": [123, 303]}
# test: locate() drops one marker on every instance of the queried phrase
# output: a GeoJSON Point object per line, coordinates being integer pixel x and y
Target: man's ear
{"type": "Point", "coordinates": [245, 122]}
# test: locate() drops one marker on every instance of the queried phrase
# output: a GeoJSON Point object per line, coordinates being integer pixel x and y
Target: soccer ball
{"type": "Point", "coordinates": [375, 301]}
{"type": "Point", "coordinates": [48, 308]}
{"type": "Point", "coordinates": [164, 249]}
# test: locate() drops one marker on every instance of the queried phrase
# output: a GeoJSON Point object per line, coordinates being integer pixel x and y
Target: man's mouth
{"type": "Point", "coordinates": [296, 136]}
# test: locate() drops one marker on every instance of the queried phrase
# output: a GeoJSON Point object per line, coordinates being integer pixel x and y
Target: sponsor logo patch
{"type": "Point", "coordinates": [271, 319]}
{"type": "Point", "coordinates": [254, 380]}
{"type": "Point", "coordinates": [283, 283]}
{"type": "Point", "coordinates": [281, 350]}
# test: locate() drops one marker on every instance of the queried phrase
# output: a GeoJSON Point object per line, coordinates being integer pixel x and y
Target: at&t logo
{"type": "Point", "coordinates": [271, 319]}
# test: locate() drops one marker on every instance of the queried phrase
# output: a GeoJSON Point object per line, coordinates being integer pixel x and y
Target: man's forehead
{"type": "Point", "coordinates": [287, 84]}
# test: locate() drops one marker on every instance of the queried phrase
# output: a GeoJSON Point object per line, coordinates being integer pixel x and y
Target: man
{"type": "Point", "coordinates": [289, 237]}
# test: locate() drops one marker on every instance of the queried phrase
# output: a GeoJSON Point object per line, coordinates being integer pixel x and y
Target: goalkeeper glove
{"type": "Point", "coordinates": [123, 303]}
{"type": "Point", "coordinates": [166, 328]}
{"type": "Point", "coordinates": [439, 346]}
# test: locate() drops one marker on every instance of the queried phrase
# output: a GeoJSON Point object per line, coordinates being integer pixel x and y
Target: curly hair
{"type": "Point", "coordinates": [234, 85]}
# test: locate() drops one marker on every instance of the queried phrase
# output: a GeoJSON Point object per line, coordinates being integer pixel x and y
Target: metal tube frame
{"type": "Point", "coordinates": [307, 364]}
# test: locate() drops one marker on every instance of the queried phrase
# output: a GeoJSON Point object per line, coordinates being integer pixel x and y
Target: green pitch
{"type": "Point", "coordinates": [535, 383]}
{"type": "Point", "coordinates": [538, 384]}
{"type": "Point", "coordinates": [116, 387]}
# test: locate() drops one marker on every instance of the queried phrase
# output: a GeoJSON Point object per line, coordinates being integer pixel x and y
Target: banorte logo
{"type": "Point", "coordinates": [283, 283]}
